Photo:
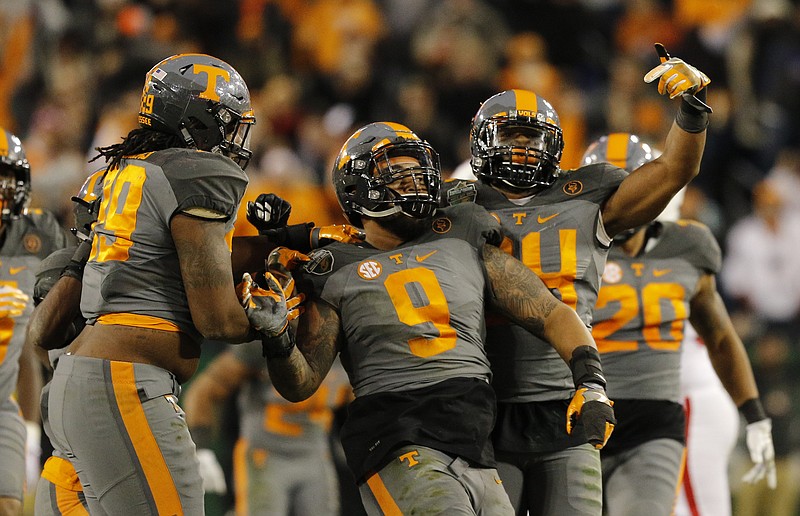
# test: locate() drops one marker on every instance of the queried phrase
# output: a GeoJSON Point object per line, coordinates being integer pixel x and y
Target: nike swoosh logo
{"type": "Point", "coordinates": [542, 220]}
{"type": "Point", "coordinates": [660, 272]}
{"type": "Point", "coordinates": [16, 270]}
{"type": "Point", "coordinates": [425, 256]}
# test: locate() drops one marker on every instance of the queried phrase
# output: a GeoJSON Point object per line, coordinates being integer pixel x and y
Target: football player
{"type": "Point", "coordinates": [160, 253]}
{"type": "Point", "coordinates": [26, 237]}
{"type": "Point", "coordinates": [656, 278]}
{"type": "Point", "coordinates": [282, 461]}
{"type": "Point", "coordinates": [56, 320]}
{"type": "Point", "coordinates": [406, 311]}
{"type": "Point", "coordinates": [560, 224]}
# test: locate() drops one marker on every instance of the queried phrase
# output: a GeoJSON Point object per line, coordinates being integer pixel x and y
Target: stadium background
{"type": "Point", "coordinates": [71, 74]}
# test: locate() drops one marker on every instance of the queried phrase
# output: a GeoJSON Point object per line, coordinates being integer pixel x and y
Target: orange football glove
{"type": "Point", "coordinates": [346, 233]}
{"type": "Point", "coordinates": [596, 413]}
{"type": "Point", "coordinates": [266, 308]}
{"type": "Point", "coordinates": [676, 77]}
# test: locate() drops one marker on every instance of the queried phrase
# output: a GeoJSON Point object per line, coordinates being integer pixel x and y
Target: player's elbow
{"type": "Point", "coordinates": [223, 325]}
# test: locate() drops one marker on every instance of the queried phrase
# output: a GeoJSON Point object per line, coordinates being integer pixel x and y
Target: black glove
{"type": "Point", "coordinates": [590, 404]}
{"type": "Point", "coordinates": [268, 212]}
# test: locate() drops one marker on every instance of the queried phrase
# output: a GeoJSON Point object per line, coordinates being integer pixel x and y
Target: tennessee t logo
{"type": "Point", "coordinates": [638, 268]}
{"type": "Point", "coordinates": [398, 258]}
{"type": "Point", "coordinates": [518, 217]}
{"type": "Point", "coordinates": [212, 72]}
{"type": "Point", "coordinates": [410, 458]}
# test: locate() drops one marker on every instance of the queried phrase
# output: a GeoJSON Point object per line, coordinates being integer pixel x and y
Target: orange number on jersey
{"type": "Point", "coordinates": [122, 195]}
{"type": "Point", "coordinates": [435, 312]}
{"type": "Point", "coordinates": [564, 279]}
{"type": "Point", "coordinates": [625, 295]}
{"type": "Point", "coordinates": [652, 294]}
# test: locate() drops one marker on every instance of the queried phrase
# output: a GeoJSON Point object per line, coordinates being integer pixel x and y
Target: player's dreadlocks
{"type": "Point", "coordinates": [138, 141]}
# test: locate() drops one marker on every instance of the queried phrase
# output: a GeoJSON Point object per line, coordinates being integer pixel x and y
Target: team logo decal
{"type": "Point", "coordinates": [370, 269]}
{"type": "Point", "coordinates": [32, 243]}
{"type": "Point", "coordinates": [441, 225]}
{"type": "Point", "coordinates": [321, 262]}
{"type": "Point", "coordinates": [573, 188]}
{"type": "Point", "coordinates": [462, 192]}
{"type": "Point", "coordinates": [612, 273]}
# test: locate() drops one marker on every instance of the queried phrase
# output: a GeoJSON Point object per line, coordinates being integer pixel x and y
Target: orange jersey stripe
{"type": "Point", "coordinates": [139, 321]}
{"type": "Point", "coordinates": [144, 443]}
{"type": "Point", "coordinates": [383, 497]}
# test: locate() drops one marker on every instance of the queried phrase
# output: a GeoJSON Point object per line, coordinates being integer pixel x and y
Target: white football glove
{"type": "Point", "coordinates": [762, 453]}
{"type": "Point", "coordinates": [211, 472]}
{"type": "Point", "coordinates": [33, 452]}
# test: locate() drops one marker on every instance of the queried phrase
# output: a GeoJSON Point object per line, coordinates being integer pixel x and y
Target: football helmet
{"type": "Point", "coordinates": [201, 99]}
{"type": "Point", "coordinates": [374, 176]}
{"type": "Point", "coordinates": [15, 177]}
{"type": "Point", "coordinates": [516, 138]}
{"type": "Point", "coordinates": [623, 150]}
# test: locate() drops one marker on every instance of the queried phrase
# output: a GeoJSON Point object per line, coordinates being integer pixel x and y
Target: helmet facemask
{"type": "Point", "coordinates": [402, 178]}
{"type": "Point", "coordinates": [15, 178]}
{"type": "Point", "coordinates": [521, 155]}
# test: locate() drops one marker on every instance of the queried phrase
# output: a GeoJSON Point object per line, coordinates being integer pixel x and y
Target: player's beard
{"type": "Point", "coordinates": [405, 227]}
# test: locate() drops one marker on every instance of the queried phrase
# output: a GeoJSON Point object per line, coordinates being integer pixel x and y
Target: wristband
{"type": "Point", "coordinates": [586, 367]}
{"type": "Point", "coordinates": [296, 236]}
{"type": "Point", "coordinates": [691, 119]}
{"type": "Point", "coordinates": [278, 347]}
{"type": "Point", "coordinates": [752, 410]}
{"type": "Point", "coordinates": [74, 269]}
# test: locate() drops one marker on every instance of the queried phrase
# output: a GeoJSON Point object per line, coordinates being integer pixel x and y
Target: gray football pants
{"type": "Point", "coordinates": [566, 482]}
{"type": "Point", "coordinates": [120, 426]}
{"type": "Point", "coordinates": [644, 480]}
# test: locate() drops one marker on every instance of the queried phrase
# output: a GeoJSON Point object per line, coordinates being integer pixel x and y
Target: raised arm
{"type": "Point", "coordinates": [648, 189]}
{"type": "Point", "coordinates": [205, 263]}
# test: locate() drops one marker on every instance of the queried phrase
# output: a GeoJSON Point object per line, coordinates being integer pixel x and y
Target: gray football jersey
{"type": "Point", "coordinates": [412, 316]}
{"type": "Point", "coordinates": [268, 422]}
{"type": "Point", "coordinates": [28, 240]}
{"type": "Point", "coordinates": [555, 234]}
{"type": "Point", "coordinates": [642, 309]}
{"type": "Point", "coordinates": [133, 271]}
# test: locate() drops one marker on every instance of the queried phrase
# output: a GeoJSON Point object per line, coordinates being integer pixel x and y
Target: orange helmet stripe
{"type": "Point", "coordinates": [617, 149]}
{"type": "Point", "coordinates": [3, 143]}
{"type": "Point", "coordinates": [526, 100]}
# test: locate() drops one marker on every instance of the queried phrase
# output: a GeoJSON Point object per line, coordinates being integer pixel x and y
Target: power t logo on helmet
{"type": "Point", "coordinates": [516, 139]}
{"type": "Point", "coordinates": [201, 99]}
{"type": "Point", "coordinates": [383, 169]}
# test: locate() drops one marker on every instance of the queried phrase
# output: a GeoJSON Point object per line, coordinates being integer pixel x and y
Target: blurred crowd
{"type": "Point", "coordinates": [70, 81]}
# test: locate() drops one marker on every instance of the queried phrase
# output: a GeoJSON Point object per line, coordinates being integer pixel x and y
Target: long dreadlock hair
{"type": "Point", "coordinates": [138, 141]}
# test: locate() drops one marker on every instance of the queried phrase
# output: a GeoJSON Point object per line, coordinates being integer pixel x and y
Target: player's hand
{"type": "Point", "coordinates": [12, 301]}
{"type": "Point", "coordinates": [268, 212]}
{"type": "Point", "coordinates": [676, 77]}
{"type": "Point", "coordinates": [762, 453]}
{"type": "Point", "coordinates": [211, 472]}
{"type": "Point", "coordinates": [269, 309]}
{"type": "Point", "coordinates": [85, 212]}
{"type": "Point", "coordinates": [281, 262]}
{"type": "Point", "coordinates": [595, 411]}
{"type": "Point", "coordinates": [346, 233]}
